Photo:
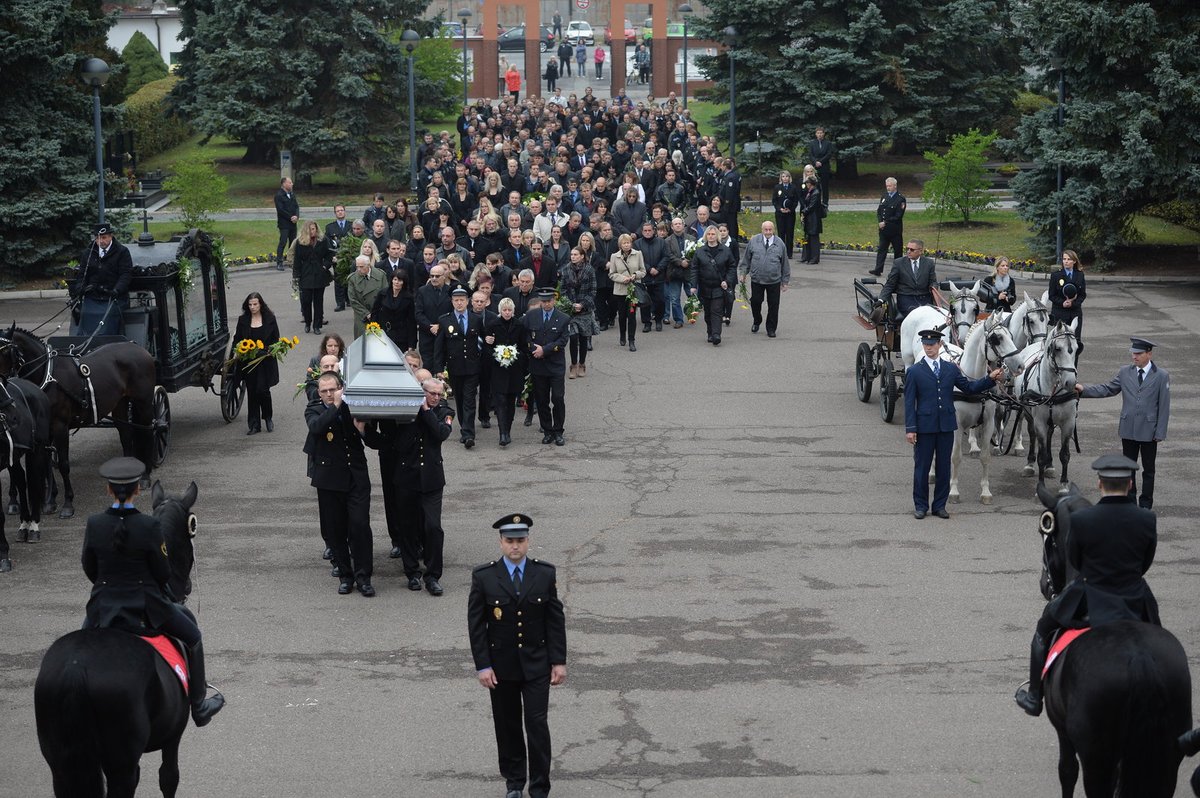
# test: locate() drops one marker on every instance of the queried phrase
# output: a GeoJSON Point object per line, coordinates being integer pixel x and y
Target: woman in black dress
{"type": "Point", "coordinates": [812, 208]}
{"type": "Point", "coordinates": [507, 381]}
{"type": "Point", "coordinates": [257, 323]}
{"type": "Point", "coordinates": [395, 312]}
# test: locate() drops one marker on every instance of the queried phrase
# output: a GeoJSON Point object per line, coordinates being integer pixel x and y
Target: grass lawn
{"type": "Point", "coordinates": [242, 239]}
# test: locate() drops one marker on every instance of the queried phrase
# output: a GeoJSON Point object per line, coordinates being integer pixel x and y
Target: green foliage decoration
{"type": "Point", "coordinates": [959, 185]}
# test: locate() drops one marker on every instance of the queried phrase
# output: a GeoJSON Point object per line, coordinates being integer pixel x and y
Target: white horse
{"type": "Point", "coordinates": [1047, 390]}
{"type": "Point", "coordinates": [1029, 324]}
{"type": "Point", "coordinates": [965, 305]}
{"type": "Point", "coordinates": [988, 344]}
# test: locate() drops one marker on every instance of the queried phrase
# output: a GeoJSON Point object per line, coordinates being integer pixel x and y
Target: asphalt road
{"type": "Point", "coordinates": [751, 607]}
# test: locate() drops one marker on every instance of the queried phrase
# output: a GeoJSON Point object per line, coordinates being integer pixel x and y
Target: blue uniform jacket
{"type": "Point", "coordinates": [929, 400]}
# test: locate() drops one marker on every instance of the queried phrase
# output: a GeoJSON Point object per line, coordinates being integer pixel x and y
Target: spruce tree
{"type": "Point", "coordinates": [143, 64]}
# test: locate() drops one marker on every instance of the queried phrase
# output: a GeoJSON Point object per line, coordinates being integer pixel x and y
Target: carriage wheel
{"type": "Point", "coordinates": [161, 424]}
{"type": "Point", "coordinates": [864, 373]}
{"type": "Point", "coordinates": [233, 393]}
{"type": "Point", "coordinates": [887, 394]}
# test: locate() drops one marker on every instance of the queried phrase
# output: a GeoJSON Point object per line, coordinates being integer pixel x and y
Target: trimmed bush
{"type": "Point", "coordinates": [142, 63]}
{"type": "Point", "coordinates": [154, 128]}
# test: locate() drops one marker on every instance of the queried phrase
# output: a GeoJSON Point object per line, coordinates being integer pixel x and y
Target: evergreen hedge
{"type": "Point", "coordinates": [154, 127]}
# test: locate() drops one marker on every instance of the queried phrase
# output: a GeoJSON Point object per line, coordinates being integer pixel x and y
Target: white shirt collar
{"type": "Point", "coordinates": [930, 361]}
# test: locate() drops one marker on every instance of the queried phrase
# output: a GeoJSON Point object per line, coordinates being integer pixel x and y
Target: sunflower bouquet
{"type": "Point", "coordinates": [691, 308]}
{"type": "Point", "coordinates": [373, 328]}
{"type": "Point", "coordinates": [505, 355]}
{"type": "Point", "coordinates": [248, 353]}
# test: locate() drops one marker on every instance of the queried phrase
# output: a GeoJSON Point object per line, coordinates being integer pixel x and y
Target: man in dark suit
{"type": "Point", "coordinates": [102, 287]}
{"type": "Point", "coordinates": [338, 468]}
{"type": "Point", "coordinates": [419, 479]}
{"type": "Point", "coordinates": [287, 212]}
{"type": "Point", "coordinates": [481, 306]}
{"type": "Point", "coordinates": [518, 634]}
{"type": "Point", "coordinates": [1068, 289]}
{"type": "Point", "coordinates": [545, 340]}
{"type": "Point", "coordinates": [821, 152]}
{"type": "Point", "coordinates": [890, 215]}
{"type": "Point", "coordinates": [1145, 410]}
{"type": "Point", "coordinates": [930, 422]}
{"type": "Point", "coordinates": [911, 279]}
{"type": "Point", "coordinates": [431, 303]}
{"type": "Point", "coordinates": [456, 350]}
{"type": "Point", "coordinates": [1111, 547]}
{"type": "Point", "coordinates": [522, 294]}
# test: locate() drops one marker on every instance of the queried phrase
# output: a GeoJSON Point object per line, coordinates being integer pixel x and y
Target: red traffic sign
{"type": "Point", "coordinates": [583, 4]}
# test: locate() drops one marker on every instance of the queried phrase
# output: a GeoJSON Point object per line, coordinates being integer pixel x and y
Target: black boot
{"type": "Point", "coordinates": [203, 708]}
{"type": "Point", "coordinates": [1030, 699]}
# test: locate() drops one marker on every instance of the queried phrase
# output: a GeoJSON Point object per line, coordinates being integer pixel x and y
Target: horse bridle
{"type": "Point", "coordinates": [1050, 349]}
{"type": "Point", "coordinates": [956, 324]}
{"type": "Point", "coordinates": [1028, 325]}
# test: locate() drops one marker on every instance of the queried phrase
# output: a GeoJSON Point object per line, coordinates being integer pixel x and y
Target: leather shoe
{"type": "Point", "coordinates": [726, 321]}
{"type": "Point", "coordinates": [485, 423]}
{"type": "Point", "coordinates": [1026, 700]}
{"type": "Point", "coordinates": [203, 712]}
{"type": "Point", "coordinates": [770, 335]}
{"type": "Point", "coordinates": [414, 583]}
{"type": "Point", "coordinates": [270, 425]}
{"type": "Point", "coordinates": [339, 308]}
{"type": "Point", "coordinates": [335, 572]}
{"type": "Point", "coordinates": [367, 589]}
{"type": "Point", "coordinates": [529, 421]}
{"type": "Point", "coordinates": [658, 326]}
{"type": "Point", "coordinates": [513, 794]}
{"type": "Point", "coordinates": [505, 440]}
{"type": "Point", "coordinates": [394, 553]}
{"type": "Point", "coordinates": [560, 440]}
{"type": "Point", "coordinates": [646, 327]}
{"type": "Point", "coordinates": [253, 431]}
{"type": "Point", "coordinates": [918, 514]}
{"type": "Point", "coordinates": [876, 273]}
{"type": "Point", "coordinates": [941, 513]}
{"type": "Point", "coordinates": [716, 342]}
{"type": "Point", "coordinates": [676, 325]}
{"type": "Point", "coordinates": [754, 328]}
{"type": "Point", "coordinates": [307, 328]}
{"type": "Point", "coordinates": [345, 586]}
{"type": "Point", "coordinates": [632, 346]}
{"type": "Point", "coordinates": [327, 554]}
{"type": "Point", "coordinates": [469, 443]}
{"type": "Point", "coordinates": [547, 438]}
{"type": "Point", "coordinates": [433, 587]}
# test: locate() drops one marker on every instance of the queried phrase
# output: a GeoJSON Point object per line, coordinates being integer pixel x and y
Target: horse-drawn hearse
{"type": "Point", "coordinates": [176, 335]}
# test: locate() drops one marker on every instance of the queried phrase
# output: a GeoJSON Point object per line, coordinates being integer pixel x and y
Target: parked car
{"type": "Point", "coordinates": [630, 33]}
{"type": "Point", "coordinates": [452, 30]}
{"type": "Point", "coordinates": [513, 39]}
{"type": "Point", "coordinates": [674, 29]}
{"type": "Point", "coordinates": [578, 30]}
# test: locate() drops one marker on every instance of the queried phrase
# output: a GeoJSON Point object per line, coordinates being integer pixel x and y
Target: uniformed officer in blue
{"type": "Point", "coordinates": [125, 556]}
{"type": "Point", "coordinates": [518, 638]}
{"type": "Point", "coordinates": [457, 350]}
{"type": "Point", "coordinates": [929, 420]}
{"type": "Point", "coordinates": [545, 337]}
{"type": "Point", "coordinates": [1111, 547]}
{"type": "Point", "coordinates": [1145, 390]}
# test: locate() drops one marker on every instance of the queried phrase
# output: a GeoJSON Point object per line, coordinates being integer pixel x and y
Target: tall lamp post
{"type": "Point", "coordinates": [1057, 63]}
{"type": "Point", "coordinates": [464, 15]}
{"type": "Point", "coordinates": [685, 10]}
{"type": "Point", "coordinates": [410, 38]}
{"type": "Point", "coordinates": [731, 40]}
{"type": "Point", "coordinates": [95, 74]}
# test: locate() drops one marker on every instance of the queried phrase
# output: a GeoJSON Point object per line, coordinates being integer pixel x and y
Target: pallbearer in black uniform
{"type": "Point", "coordinates": [457, 350]}
{"type": "Point", "coordinates": [519, 642]}
{"type": "Point", "coordinates": [930, 422]}
{"type": "Point", "coordinates": [125, 556]}
{"type": "Point", "coordinates": [545, 339]}
{"type": "Point", "coordinates": [339, 473]}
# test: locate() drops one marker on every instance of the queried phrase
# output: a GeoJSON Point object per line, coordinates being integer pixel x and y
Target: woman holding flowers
{"type": "Point", "coordinates": [257, 324]}
{"type": "Point", "coordinates": [578, 285]}
{"type": "Point", "coordinates": [507, 364]}
{"type": "Point", "coordinates": [626, 267]}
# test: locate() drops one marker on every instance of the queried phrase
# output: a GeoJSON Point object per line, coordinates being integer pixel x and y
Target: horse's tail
{"type": "Point", "coordinates": [1150, 751]}
{"type": "Point", "coordinates": [66, 729]}
{"type": "Point", "coordinates": [1189, 745]}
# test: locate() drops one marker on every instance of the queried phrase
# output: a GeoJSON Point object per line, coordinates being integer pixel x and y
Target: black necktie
{"type": "Point", "coordinates": [517, 580]}
{"type": "Point", "coordinates": [1141, 375]}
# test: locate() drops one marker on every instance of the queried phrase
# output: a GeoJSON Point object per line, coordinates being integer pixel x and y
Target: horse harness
{"type": "Point", "coordinates": [48, 357]}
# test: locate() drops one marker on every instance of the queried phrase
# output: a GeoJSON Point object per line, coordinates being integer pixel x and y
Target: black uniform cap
{"type": "Point", "coordinates": [122, 470]}
{"type": "Point", "coordinates": [1115, 466]}
{"type": "Point", "coordinates": [1139, 345]}
{"type": "Point", "coordinates": [545, 293]}
{"type": "Point", "coordinates": [102, 229]}
{"type": "Point", "coordinates": [929, 336]}
{"type": "Point", "coordinates": [514, 526]}
{"type": "Point", "coordinates": [460, 291]}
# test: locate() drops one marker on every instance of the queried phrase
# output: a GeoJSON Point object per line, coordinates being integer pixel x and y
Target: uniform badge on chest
{"type": "Point", "coordinates": [329, 436]}
{"type": "Point", "coordinates": [497, 613]}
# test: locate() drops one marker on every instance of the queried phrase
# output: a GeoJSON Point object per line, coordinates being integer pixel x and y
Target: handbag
{"type": "Point", "coordinates": [326, 276]}
{"type": "Point", "coordinates": [640, 292]}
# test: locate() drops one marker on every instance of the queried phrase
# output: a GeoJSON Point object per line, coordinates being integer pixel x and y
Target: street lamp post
{"type": "Point", "coordinates": [410, 38]}
{"type": "Point", "coordinates": [464, 15]}
{"type": "Point", "coordinates": [731, 40]}
{"type": "Point", "coordinates": [95, 74]}
{"type": "Point", "coordinates": [685, 10]}
{"type": "Point", "coordinates": [1057, 63]}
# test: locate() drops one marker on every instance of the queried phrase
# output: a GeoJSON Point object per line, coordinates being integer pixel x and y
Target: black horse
{"type": "Point", "coordinates": [24, 438]}
{"type": "Point", "coordinates": [1120, 696]}
{"type": "Point", "coordinates": [113, 381]}
{"type": "Point", "coordinates": [103, 697]}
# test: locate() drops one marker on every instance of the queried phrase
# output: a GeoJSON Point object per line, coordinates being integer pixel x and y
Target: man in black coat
{"type": "Point", "coordinates": [546, 341]}
{"type": "Point", "coordinates": [821, 152]}
{"type": "Point", "coordinates": [654, 253]}
{"type": "Point", "coordinates": [522, 294]}
{"type": "Point", "coordinates": [287, 212]}
{"type": "Point", "coordinates": [1111, 547]}
{"type": "Point", "coordinates": [457, 350]}
{"type": "Point", "coordinates": [518, 634]}
{"type": "Point", "coordinates": [338, 469]}
{"type": "Point", "coordinates": [432, 301]}
{"type": "Point", "coordinates": [419, 479]}
{"type": "Point", "coordinates": [103, 284]}
{"type": "Point", "coordinates": [481, 306]}
{"type": "Point", "coordinates": [890, 215]}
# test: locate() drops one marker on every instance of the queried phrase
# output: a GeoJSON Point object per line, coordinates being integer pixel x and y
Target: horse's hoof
{"type": "Point", "coordinates": [1027, 471]}
{"type": "Point", "coordinates": [1051, 471]}
{"type": "Point", "coordinates": [985, 499]}
{"type": "Point", "coordinates": [13, 509]}
{"type": "Point", "coordinates": [49, 508]}
{"type": "Point", "coordinates": [67, 512]}
{"type": "Point", "coordinates": [1063, 489]}
{"type": "Point", "coordinates": [35, 535]}
{"type": "Point", "coordinates": [954, 497]}
{"type": "Point", "coordinates": [995, 451]}
{"type": "Point", "coordinates": [22, 535]}
{"type": "Point", "coordinates": [5, 565]}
